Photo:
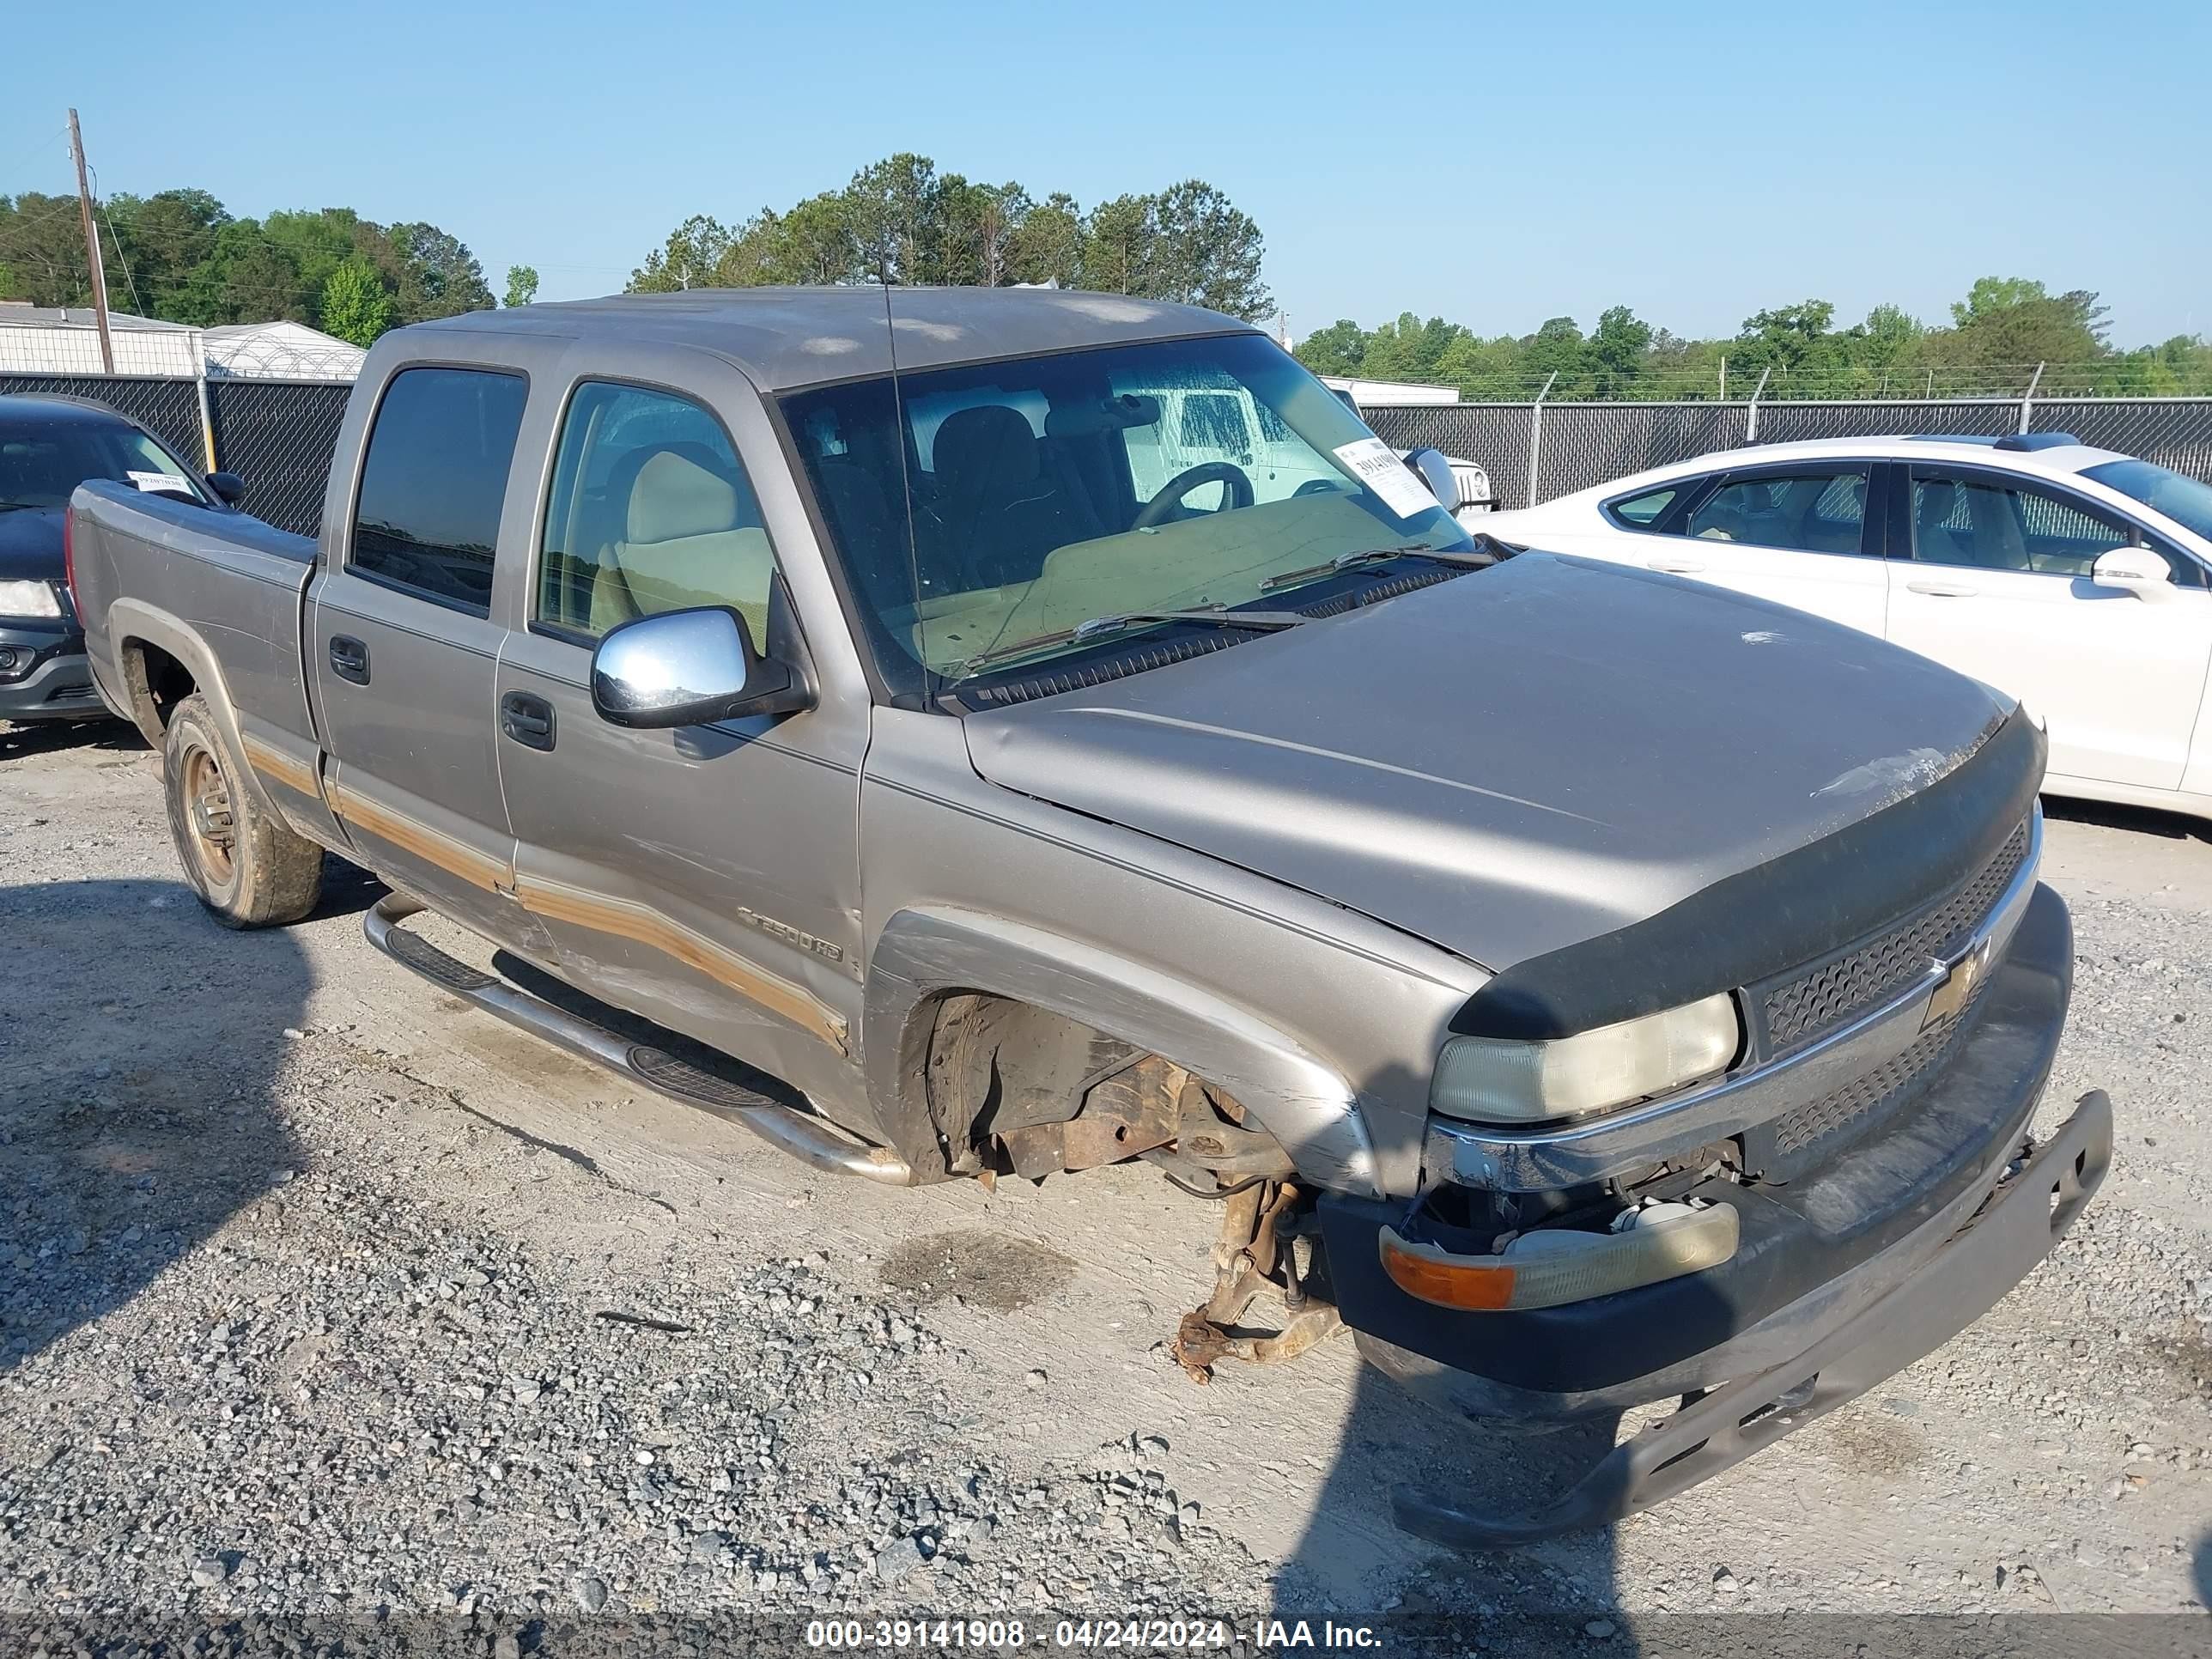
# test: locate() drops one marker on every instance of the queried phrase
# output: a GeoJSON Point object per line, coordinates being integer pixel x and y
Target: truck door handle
{"type": "Point", "coordinates": [1942, 590]}
{"type": "Point", "coordinates": [1677, 567]}
{"type": "Point", "coordinates": [527, 720]}
{"type": "Point", "coordinates": [348, 658]}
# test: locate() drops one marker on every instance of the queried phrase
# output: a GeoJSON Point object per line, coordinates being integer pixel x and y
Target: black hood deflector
{"type": "Point", "coordinates": [1815, 901]}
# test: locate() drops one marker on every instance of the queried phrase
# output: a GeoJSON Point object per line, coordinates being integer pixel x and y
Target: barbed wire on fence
{"type": "Point", "coordinates": [1903, 382]}
{"type": "Point", "coordinates": [1573, 445]}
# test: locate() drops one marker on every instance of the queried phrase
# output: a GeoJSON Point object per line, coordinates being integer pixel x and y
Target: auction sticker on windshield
{"type": "Point", "coordinates": [1376, 464]}
{"type": "Point", "coordinates": [161, 481]}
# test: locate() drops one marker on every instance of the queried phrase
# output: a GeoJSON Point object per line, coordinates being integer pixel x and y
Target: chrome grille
{"type": "Point", "coordinates": [1797, 1141]}
{"type": "Point", "coordinates": [1818, 1001]}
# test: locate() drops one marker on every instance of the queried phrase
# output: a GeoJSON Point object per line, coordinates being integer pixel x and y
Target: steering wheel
{"type": "Point", "coordinates": [1229, 475]}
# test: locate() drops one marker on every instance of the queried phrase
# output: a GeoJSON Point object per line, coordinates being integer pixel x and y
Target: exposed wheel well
{"type": "Point", "coordinates": [154, 682]}
{"type": "Point", "coordinates": [1015, 1089]}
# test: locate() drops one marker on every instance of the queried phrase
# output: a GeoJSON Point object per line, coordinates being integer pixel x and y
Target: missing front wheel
{"type": "Point", "coordinates": [1265, 1243]}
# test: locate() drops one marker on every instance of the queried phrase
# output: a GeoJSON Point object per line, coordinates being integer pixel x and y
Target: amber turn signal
{"type": "Point", "coordinates": [1549, 1269]}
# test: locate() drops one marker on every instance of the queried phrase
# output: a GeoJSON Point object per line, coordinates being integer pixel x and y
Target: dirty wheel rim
{"type": "Point", "coordinates": [209, 818]}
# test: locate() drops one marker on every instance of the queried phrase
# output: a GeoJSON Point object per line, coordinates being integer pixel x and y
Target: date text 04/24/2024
{"type": "Point", "coordinates": [1122, 1634]}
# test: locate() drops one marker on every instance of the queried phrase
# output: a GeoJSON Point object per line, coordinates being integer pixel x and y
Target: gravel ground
{"type": "Point", "coordinates": [321, 1296]}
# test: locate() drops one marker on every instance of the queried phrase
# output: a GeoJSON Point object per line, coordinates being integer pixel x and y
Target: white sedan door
{"type": "Point", "coordinates": [1998, 586]}
{"type": "Point", "coordinates": [1794, 533]}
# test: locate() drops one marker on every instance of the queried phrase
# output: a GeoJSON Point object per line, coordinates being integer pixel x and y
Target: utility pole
{"type": "Point", "coordinates": [92, 250]}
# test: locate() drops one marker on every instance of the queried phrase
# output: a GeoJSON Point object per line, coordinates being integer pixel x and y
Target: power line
{"type": "Point", "coordinates": [59, 133]}
{"type": "Point", "coordinates": [137, 304]}
{"type": "Point", "coordinates": [23, 228]}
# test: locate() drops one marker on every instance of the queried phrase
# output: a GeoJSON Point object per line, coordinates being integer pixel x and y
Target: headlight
{"type": "Point", "coordinates": [29, 599]}
{"type": "Point", "coordinates": [1492, 1079]}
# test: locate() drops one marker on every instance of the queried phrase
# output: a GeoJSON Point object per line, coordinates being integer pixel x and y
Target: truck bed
{"type": "Point", "coordinates": [165, 578]}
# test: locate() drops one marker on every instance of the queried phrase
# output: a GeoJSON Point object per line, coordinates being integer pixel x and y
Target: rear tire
{"type": "Point", "coordinates": [247, 866]}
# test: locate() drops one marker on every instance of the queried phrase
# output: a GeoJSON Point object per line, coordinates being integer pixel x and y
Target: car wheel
{"type": "Point", "coordinates": [249, 869]}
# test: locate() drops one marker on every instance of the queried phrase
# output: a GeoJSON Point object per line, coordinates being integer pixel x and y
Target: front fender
{"type": "Point", "coordinates": [922, 955]}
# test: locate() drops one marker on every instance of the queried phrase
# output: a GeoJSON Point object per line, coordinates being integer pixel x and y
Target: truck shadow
{"type": "Point", "coordinates": [140, 1068]}
{"type": "Point", "coordinates": [348, 890]}
{"type": "Point", "coordinates": [2136, 820]}
{"type": "Point", "coordinates": [20, 741]}
{"type": "Point", "coordinates": [1440, 1443]}
{"type": "Point", "coordinates": [1354, 1566]}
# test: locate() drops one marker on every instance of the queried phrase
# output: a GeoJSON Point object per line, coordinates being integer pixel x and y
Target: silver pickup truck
{"type": "Point", "coordinates": [1588, 988]}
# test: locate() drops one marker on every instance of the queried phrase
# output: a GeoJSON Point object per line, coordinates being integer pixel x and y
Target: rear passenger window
{"type": "Point", "coordinates": [1822, 512]}
{"type": "Point", "coordinates": [650, 512]}
{"type": "Point", "coordinates": [1642, 511]}
{"type": "Point", "coordinates": [426, 518]}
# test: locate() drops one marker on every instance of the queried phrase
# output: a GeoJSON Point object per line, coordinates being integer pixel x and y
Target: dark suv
{"type": "Point", "coordinates": [49, 446]}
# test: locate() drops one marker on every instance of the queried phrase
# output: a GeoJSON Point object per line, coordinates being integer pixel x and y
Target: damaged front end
{"type": "Point", "coordinates": [1869, 1149]}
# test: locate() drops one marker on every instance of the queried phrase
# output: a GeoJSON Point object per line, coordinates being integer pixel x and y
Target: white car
{"type": "Point", "coordinates": [2073, 577]}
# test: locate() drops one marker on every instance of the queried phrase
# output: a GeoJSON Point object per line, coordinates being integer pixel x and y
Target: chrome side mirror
{"type": "Point", "coordinates": [2142, 571]}
{"type": "Point", "coordinates": [1433, 469]}
{"type": "Point", "coordinates": [689, 668]}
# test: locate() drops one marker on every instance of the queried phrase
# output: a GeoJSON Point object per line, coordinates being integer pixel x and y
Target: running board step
{"type": "Point", "coordinates": [814, 1141]}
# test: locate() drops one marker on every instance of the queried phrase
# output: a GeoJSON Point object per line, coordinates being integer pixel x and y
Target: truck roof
{"type": "Point", "coordinates": [784, 338]}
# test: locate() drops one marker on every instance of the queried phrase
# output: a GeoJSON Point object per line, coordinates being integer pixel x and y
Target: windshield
{"type": "Point", "coordinates": [977, 508]}
{"type": "Point", "coordinates": [42, 457]}
{"type": "Point", "coordinates": [2184, 500]}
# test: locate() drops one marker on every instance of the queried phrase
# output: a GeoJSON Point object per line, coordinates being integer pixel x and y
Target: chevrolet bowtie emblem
{"type": "Point", "coordinates": [1957, 987]}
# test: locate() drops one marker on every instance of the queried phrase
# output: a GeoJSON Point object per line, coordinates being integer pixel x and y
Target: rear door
{"type": "Point", "coordinates": [1993, 580]}
{"type": "Point", "coordinates": [1796, 534]}
{"type": "Point", "coordinates": [404, 649]}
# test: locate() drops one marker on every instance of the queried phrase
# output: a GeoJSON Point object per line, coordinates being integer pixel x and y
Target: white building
{"type": "Point", "coordinates": [1364, 392]}
{"type": "Point", "coordinates": [65, 340]}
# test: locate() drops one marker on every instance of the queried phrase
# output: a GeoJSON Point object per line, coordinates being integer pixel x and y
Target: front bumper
{"type": "Point", "coordinates": [1870, 1261]}
{"type": "Point", "coordinates": [44, 676]}
{"type": "Point", "coordinates": [2010, 1231]}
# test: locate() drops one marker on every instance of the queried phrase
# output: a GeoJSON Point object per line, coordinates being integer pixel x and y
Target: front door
{"type": "Point", "coordinates": [706, 877]}
{"type": "Point", "coordinates": [1998, 586]}
{"type": "Point", "coordinates": [404, 650]}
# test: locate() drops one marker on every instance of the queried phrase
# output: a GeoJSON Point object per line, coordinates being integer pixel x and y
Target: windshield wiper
{"type": "Point", "coordinates": [1098, 627]}
{"type": "Point", "coordinates": [1376, 555]}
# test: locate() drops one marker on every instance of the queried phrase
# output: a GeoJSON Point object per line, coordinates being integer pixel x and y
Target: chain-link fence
{"type": "Point", "coordinates": [277, 436]}
{"type": "Point", "coordinates": [1573, 445]}
{"type": "Point", "coordinates": [168, 409]}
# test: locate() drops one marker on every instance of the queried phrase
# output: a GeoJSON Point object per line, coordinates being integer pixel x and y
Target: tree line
{"type": "Point", "coordinates": [1991, 346]}
{"type": "Point", "coordinates": [901, 221]}
{"type": "Point", "coordinates": [180, 256]}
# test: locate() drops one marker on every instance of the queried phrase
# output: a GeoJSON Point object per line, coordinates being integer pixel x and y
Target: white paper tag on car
{"type": "Point", "coordinates": [1376, 464]}
{"type": "Point", "coordinates": [156, 481]}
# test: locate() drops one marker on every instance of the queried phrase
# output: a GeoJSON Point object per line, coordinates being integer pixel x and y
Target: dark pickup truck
{"type": "Point", "coordinates": [1588, 988]}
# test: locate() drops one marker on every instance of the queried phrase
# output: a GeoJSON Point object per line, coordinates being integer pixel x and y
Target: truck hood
{"type": "Point", "coordinates": [1510, 762]}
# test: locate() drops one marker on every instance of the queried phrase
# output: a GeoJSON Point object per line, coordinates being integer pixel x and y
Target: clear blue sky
{"type": "Point", "coordinates": [1497, 165]}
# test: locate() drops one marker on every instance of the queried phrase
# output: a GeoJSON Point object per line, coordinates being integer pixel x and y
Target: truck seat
{"type": "Point", "coordinates": [683, 546]}
{"type": "Point", "coordinates": [1000, 508]}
